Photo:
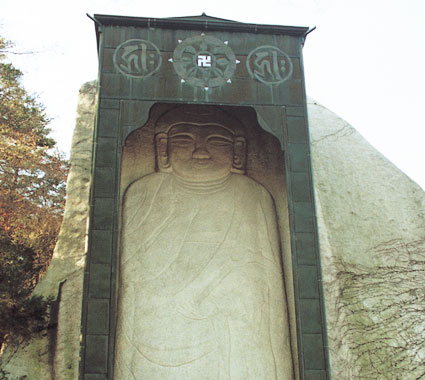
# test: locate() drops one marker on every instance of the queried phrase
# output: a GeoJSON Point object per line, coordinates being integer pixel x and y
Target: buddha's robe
{"type": "Point", "coordinates": [201, 293]}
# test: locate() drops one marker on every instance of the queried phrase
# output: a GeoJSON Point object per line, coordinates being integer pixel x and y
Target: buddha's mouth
{"type": "Point", "coordinates": [201, 163]}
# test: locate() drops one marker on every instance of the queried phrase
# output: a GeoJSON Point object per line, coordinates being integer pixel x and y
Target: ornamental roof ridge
{"type": "Point", "coordinates": [204, 17]}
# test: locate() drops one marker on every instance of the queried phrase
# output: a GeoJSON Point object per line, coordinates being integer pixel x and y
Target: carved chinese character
{"type": "Point", "coordinates": [137, 58]}
{"type": "Point", "coordinates": [269, 65]}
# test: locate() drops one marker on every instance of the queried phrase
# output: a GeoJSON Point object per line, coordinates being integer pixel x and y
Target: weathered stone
{"type": "Point", "coordinates": [56, 355]}
{"type": "Point", "coordinates": [201, 291]}
{"type": "Point", "coordinates": [371, 220]}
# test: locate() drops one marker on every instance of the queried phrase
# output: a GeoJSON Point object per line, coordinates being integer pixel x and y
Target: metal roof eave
{"type": "Point", "coordinates": [202, 23]}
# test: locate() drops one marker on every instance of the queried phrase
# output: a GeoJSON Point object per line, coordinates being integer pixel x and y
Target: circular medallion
{"type": "Point", "coordinates": [269, 65]}
{"type": "Point", "coordinates": [137, 58]}
{"type": "Point", "coordinates": [204, 61]}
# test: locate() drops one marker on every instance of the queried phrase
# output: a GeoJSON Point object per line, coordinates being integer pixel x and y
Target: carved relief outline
{"type": "Point", "coordinates": [137, 58]}
{"type": "Point", "coordinates": [204, 61]}
{"type": "Point", "coordinates": [269, 65]}
{"type": "Point", "coordinates": [173, 205]}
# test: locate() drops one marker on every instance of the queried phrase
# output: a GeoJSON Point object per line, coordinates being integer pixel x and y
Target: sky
{"type": "Point", "coordinates": [365, 61]}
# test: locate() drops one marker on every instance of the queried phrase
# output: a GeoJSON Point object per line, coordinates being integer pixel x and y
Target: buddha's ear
{"type": "Point", "coordinates": [161, 151]}
{"type": "Point", "coordinates": [239, 155]}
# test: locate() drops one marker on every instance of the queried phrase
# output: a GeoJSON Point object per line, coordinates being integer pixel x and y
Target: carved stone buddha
{"type": "Point", "coordinates": [201, 294]}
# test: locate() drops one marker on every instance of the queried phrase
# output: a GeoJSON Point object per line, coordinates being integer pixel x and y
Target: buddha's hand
{"type": "Point", "coordinates": [194, 307]}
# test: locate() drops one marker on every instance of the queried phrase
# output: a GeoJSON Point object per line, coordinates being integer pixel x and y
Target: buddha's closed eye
{"type": "Point", "coordinates": [181, 140]}
{"type": "Point", "coordinates": [219, 141]}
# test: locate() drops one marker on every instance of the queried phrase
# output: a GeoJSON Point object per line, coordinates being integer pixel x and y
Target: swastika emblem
{"type": "Point", "coordinates": [204, 61]}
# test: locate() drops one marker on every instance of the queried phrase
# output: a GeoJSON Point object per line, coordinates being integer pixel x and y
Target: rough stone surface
{"type": "Point", "coordinates": [371, 220]}
{"type": "Point", "coordinates": [69, 258]}
{"type": "Point", "coordinates": [67, 267]}
{"type": "Point", "coordinates": [366, 199]}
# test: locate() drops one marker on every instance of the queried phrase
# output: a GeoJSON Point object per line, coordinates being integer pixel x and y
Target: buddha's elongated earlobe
{"type": "Point", "coordinates": [239, 155]}
{"type": "Point", "coordinates": [161, 150]}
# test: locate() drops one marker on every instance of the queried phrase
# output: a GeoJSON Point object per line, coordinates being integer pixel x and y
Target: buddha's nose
{"type": "Point", "coordinates": [201, 153]}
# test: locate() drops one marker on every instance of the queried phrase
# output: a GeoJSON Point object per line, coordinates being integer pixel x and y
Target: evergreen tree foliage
{"type": "Point", "coordinates": [32, 197]}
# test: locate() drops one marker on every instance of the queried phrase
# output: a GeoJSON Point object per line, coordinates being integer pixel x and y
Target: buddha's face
{"type": "Point", "coordinates": [200, 153]}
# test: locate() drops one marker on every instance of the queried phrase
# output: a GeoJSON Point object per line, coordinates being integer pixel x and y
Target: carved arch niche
{"type": "Point", "coordinates": [264, 164]}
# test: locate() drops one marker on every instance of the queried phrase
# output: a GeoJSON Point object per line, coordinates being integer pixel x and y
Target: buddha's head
{"type": "Point", "coordinates": [199, 143]}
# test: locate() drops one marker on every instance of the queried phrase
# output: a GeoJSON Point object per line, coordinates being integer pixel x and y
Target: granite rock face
{"type": "Point", "coordinates": [371, 220]}
{"type": "Point", "coordinates": [56, 354]}
{"type": "Point", "coordinates": [70, 253]}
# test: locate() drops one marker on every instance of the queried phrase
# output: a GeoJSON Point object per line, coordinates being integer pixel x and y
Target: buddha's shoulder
{"type": "Point", "coordinates": [149, 182]}
{"type": "Point", "coordinates": [248, 185]}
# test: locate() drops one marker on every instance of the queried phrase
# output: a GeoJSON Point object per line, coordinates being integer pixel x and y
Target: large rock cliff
{"type": "Point", "coordinates": [55, 355]}
{"type": "Point", "coordinates": [371, 220]}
